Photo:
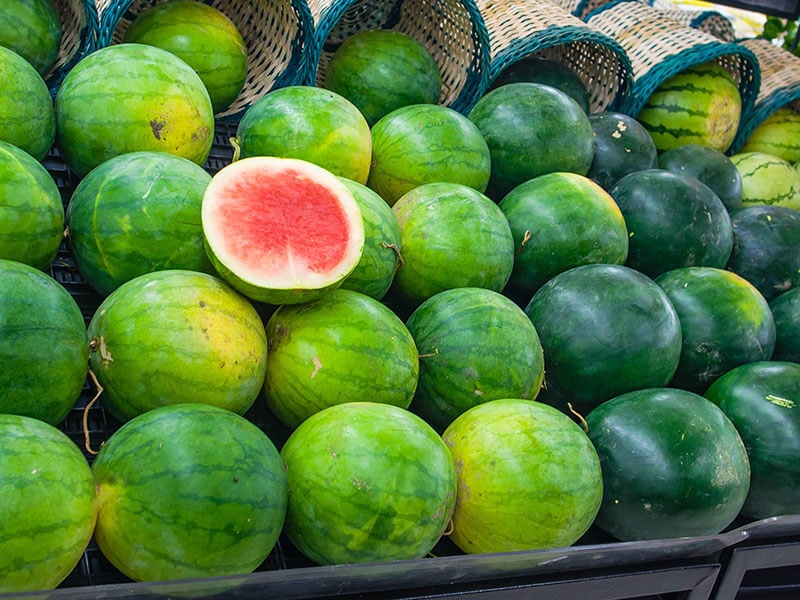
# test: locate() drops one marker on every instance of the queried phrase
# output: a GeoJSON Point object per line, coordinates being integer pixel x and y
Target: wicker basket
{"type": "Point", "coordinates": [277, 34]}
{"type": "Point", "coordinates": [452, 30]}
{"type": "Point", "coordinates": [780, 85]}
{"type": "Point", "coordinates": [519, 29]}
{"type": "Point", "coordinates": [660, 47]}
{"type": "Point", "coordinates": [79, 25]}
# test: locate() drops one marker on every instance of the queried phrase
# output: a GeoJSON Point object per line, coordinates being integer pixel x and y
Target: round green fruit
{"type": "Point", "coordinates": [188, 490]}
{"type": "Point", "coordinates": [43, 347]}
{"type": "Point", "coordinates": [532, 129]}
{"type": "Point", "coordinates": [48, 495]}
{"type": "Point", "coordinates": [673, 465]}
{"type": "Point", "coordinates": [27, 115]}
{"type": "Point", "coordinates": [537, 69]}
{"type": "Point", "coordinates": [426, 143]}
{"type": "Point", "coordinates": [777, 135]}
{"type": "Point", "coordinates": [309, 123]}
{"type": "Point", "coordinates": [31, 209]}
{"type": "Point", "coordinates": [760, 399]}
{"type": "Point", "coordinates": [136, 213]}
{"type": "Point", "coordinates": [474, 345]}
{"type": "Point", "coordinates": [32, 29]}
{"type": "Point", "coordinates": [622, 146]}
{"type": "Point", "coordinates": [725, 322]}
{"type": "Point", "coordinates": [380, 70]}
{"type": "Point", "coordinates": [709, 166]}
{"type": "Point", "coordinates": [368, 482]}
{"type": "Point", "coordinates": [528, 477]}
{"type": "Point", "coordinates": [767, 179]}
{"type": "Point", "coordinates": [128, 97]}
{"type": "Point", "coordinates": [176, 336]}
{"type": "Point", "coordinates": [344, 347]}
{"type": "Point", "coordinates": [203, 37]}
{"type": "Point", "coordinates": [560, 221]}
{"type": "Point", "coordinates": [672, 221]}
{"type": "Point", "coordinates": [452, 236]}
{"type": "Point", "coordinates": [785, 309]}
{"type": "Point", "coordinates": [605, 330]}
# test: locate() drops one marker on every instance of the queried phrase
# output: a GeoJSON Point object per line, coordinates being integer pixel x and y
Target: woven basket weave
{"type": "Point", "coordinates": [79, 25]}
{"type": "Point", "coordinates": [276, 32]}
{"type": "Point", "coordinates": [453, 31]}
{"type": "Point", "coordinates": [519, 29]}
{"type": "Point", "coordinates": [660, 47]}
{"type": "Point", "coordinates": [780, 85]}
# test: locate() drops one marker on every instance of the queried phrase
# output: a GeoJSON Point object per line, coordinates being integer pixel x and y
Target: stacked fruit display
{"type": "Point", "coordinates": [501, 327]}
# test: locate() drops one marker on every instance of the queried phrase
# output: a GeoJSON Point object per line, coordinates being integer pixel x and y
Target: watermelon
{"type": "Point", "coordinates": [31, 211]}
{"type": "Point", "coordinates": [176, 336]}
{"type": "Point", "coordinates": [49, 507]}
{"type": "Point", "coordinates": [281, 230]}
{"type": "Point", "coordinates": [785, 309]}
{"type": "Point", "coordinates": [475, 345]}
{"type": "Point", "coordinates": [673, 465]}
{"type": "Point", "coordinates": [699, 105]}
{"type": "Point", "coordinates": [725, 322]}
{"type": "Point", "coordinates": [673, 221]}
{"type": "Point", "coordinates": [43, 346]}
{"type": "Point", "coordinates": [27, 115]}
{"type": "Point", "coordinates": [709, 166]}
{"type": "Point", "coordinates": [128, 97]}
{"type": "Point", "coordinates": [538, 69]}
{"type": "Point", "coordinates": [532, 129]}
{"type": "Point", "coordinates": [136, 213]}
{"type": "Point", "coordinates": [560, 221]}
{"type": "Point", "coordinates": [766, 248]}
{"type": "Point", "coordinates": [188, 490]}
{"type": "Point", "coordinates": [777, 135]}
{"type": "Point", "coordinates": [381, 257]}
{"type": "Point", "coordinates": [622, 146]}
{"type": "Point", "coordinates": [32, 29]}
{"type": "Point", "coordinates": [311, 124]}
{"type": "Point", "coordinates": [528, 477]}
{"type": "Point", "coordinates": [344, 347]}
{"type": "Point", "coordinates": [368, 482]}
{"type": "Point", "coordinates": [767, 179]}
{"type": "Point", "coordinates": [426, 143]}
{"type": "Point", "coordinates": [203, 37]}
{"type": "Point", "coordinates": [452, 236]}
{"type": "Point", "coordinates": [605, 330]}
{"type": "Point", "coordinates": [380, 70]}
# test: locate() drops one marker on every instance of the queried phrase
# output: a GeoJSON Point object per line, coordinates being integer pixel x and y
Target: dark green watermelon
{"type": "Point", "coordinates": [710, 166]}
{"type": "Point", "coordinates": [786, 311]}
{"type": "Point", "coordinates": [622, 145]}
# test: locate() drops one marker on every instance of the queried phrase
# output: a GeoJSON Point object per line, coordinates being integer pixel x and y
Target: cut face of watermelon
{"type": "Point", "coordinates": [281, 230]}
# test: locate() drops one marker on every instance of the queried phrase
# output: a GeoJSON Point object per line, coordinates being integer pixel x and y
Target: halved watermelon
{"type": "Point", "coordinates": [281, 230]}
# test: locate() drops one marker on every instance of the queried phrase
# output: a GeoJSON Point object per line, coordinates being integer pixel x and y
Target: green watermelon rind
{"type": "Point", "coordinates": [33, 30]}
{"type": "Point", "coordinates": [767, 179]}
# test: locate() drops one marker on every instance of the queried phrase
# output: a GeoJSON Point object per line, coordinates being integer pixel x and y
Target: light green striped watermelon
{"type": "Point", "coordinates": [344, 347]}
{"type": "Point", "coordinates": [33, 30]}
{"type": "Point", "coordinates": [778, 134]}
{"type": "Point", "coordinates": [368, 482]}
{"type": "Point", "coordinates": [47, 492]}
{"type": "Point", "coordinates": [31, 210]}
{"type": "Point", "coordinates": [767, 179]}
{"type": "Point", "coordinates": [27, 115]}
{"type": "Point", "coordinates": [700, 105]}
{"type": "Point", "coordinates": [136, 213]}
{"type": "Point", "coordinates": [128, 97]}
{"type": "Point", "coordinates": [381, 257]}
{"type": "Point", "coordinates": [176, 336]}
{"type": "Point", "coordinates": [281, 230]}
{"type": "Point", "coordinates": [188, 490]}
{"type": "Point", "coordinates": [475, 345]}
{"type": "Point", "coordinates": [309, 123]}
{"type": "Point", "coordinates": [201, 35]}
{"type": "Point", "coordinates": [43, 347]}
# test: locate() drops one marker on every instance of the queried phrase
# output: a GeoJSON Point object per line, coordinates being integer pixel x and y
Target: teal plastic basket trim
{"type": "Point", "coordinates": [780, 98]}
{"type": "Point", "coordinates": [749, 80]}
{"type": "Point", "coordinates": [556, 36]}
{"type": "Point", "coordinates": [87, 44]}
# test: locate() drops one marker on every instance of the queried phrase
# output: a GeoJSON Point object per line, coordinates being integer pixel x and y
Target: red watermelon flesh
{"type": "Point", "coordinates": [281, 230]}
